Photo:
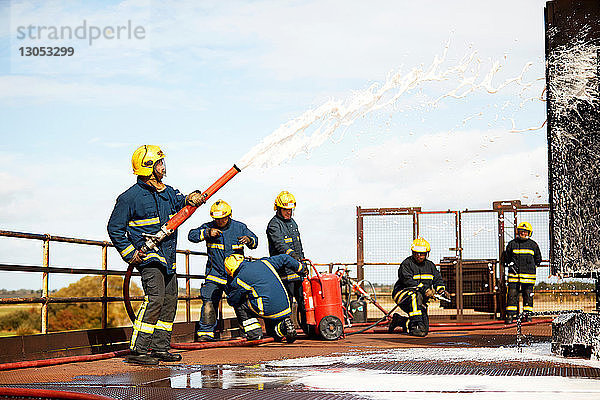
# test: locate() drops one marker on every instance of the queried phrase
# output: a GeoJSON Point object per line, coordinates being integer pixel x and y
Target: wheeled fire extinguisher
{"type": "Point", "coordinates": [323, 304]}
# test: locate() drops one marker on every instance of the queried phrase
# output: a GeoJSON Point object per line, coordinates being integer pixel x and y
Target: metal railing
{"type": "Point", "coordinates": [104, 299]}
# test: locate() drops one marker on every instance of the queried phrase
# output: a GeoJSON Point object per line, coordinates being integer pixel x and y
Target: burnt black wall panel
{"type": "Point", "coordinates": [573, 106]}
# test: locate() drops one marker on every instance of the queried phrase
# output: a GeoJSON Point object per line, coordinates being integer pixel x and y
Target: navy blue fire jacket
{"type": "Point", "coordinates": [258, 284]}
{"type": "Point", "coordinates": [419, 276]}
{"type": "Point", "coordinates": [284, 238]}
{"type": "Point", "coordinates": [222, 246]}
{"type": "Point", "coordinates": [522, 257]}
{"type": "Point", "coordinates": [143, 209]}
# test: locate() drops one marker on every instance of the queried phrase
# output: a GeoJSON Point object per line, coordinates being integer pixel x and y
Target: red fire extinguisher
{"type": "Point", "coordinates": [323, 304]}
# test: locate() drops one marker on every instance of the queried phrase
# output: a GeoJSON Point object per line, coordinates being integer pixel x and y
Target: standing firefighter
{"type": "Point", "coordinates": [418, 281]}
{"type": "Point", "coordinates": [143, 209]}
{"type": "Point", "coordinates": [224, 236]}
{"type": "Point", "coordinates": [257, 291]}
{"type": "Point", "coordinates": [284, 238]}
{"type": "Point", "coordinates": [522, 257]}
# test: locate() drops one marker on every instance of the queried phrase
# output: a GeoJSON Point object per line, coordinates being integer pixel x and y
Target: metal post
{"type": "Point", "coordinates": [188, 304]}
{"type": "Point", "coordinates": [501, 272]}
{"type": "Point", "coordinates": [597, 293]}
{"type": "Point", "coordinates": [360, 255]}
{"type": "Point", "coordinates": [104, 313]}
{"type": "Point", "coordinates": [459, 270]}
{"type": "Point", "coordinates": [415, 224]}
{"type": "Point", "coordinates": [45, 264]}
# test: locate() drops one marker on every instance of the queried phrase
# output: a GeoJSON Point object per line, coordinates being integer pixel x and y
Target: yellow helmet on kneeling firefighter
{"type": "Point", "coordinates": [144, 158]}
{"type": "Point", "coordinates": [420, 245]}
{"type": "Point", "coordinates": [232, 263]}
{"type": "Point", "coordinates": [220, 209]}
{"type": "Point", "coordinates": [525, 226]}
{"type": "Point", "coordinates": [285, 200]}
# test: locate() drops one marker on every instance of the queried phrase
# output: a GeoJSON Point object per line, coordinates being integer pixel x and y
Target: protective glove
{"type": "Point", "coordinates": [304, 269]}
{"type": "Point", "coordinates": [194, 199]}
{"type": "Point", "coordinates": [244, 240]}
{"type": "Point", "coordinates": [429, 293]}
{"type": "Point", "coordinates": [137, 258]}
{"type": "Point", "coordinates": [214, 232]}
{"type": "Point", "coordinates": [444, 293]}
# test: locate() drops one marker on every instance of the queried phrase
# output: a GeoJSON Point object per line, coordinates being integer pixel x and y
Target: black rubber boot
{"type": "Point", "coordinates": [397, 321]}
{"type": "Point", "coordinates": [141, 359]}
{"type": "Point", "coordinates": [166, 356]}
{"type": "Point", "coordinates": [254, 334]}
{"type": "Point", "coordinates": [509, 319]}
{"type": "Point", "coordinates": [289, 330]}
{"type": "Point", "coordinates": [417, 328]}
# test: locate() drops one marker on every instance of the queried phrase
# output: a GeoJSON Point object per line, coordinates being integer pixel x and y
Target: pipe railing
{"type": "Point", "coordinates": [104, 272]}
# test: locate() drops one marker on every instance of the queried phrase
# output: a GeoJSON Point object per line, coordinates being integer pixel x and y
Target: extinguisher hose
{"type": "Point", "coordinates": [385, 317]}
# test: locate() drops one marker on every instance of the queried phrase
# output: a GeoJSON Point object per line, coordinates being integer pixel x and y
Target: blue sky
{"type": "Point", "coordinates": [211, 79]}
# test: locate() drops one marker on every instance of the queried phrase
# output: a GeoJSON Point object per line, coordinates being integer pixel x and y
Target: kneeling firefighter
{"type": "Point", "coordinates": [224, 236]}
{"type": "Point", "coordinates": [418, 281]}
{"type": "Point", "coordinates": [256, 291]}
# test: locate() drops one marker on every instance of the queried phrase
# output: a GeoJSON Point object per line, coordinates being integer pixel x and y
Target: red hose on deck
{"type": "Point", "coordinates": [62, 360]}
{"type": "Point", "coordinates": [471, 328]}
{"type": "Point", "coordinates": [119, 353]}
{"type": "Point", "coordinates": [49, 394]}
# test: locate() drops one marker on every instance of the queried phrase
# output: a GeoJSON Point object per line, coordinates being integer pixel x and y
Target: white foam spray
{"type": "Point", "coordinates": [293, 137]}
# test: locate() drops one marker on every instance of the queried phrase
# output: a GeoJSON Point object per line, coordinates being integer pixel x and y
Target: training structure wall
{"type": "Point", "coordinates": [573, 106]}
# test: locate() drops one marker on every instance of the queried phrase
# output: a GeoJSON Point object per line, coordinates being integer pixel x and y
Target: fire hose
{"type": "Point", "coordinates": [26, 393]}
{"type": "Point", "coordinates": [169, 227]}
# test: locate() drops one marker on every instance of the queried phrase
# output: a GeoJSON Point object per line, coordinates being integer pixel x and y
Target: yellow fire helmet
{"type": "Point", "coordinates": [220, 209]}
{"type": "Point", "coordinates": [232, 263]}
{"type": "Point", "coordinates": [420, 245]}
{"type": "Point", "coordinates": [525, 226]}
{"type": "Point", "coordinates": [144, 158]}
{"type": "Point", "coordinates": [285, 200]}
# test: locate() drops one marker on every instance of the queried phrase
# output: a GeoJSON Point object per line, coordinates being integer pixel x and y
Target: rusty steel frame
{"type": "Point", "coordinates": [498, 207]}
{"type": "Point", "coordinates": [104, 272]}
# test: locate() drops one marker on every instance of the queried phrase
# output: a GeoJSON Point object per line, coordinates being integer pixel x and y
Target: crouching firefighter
{"type": "Point", "coordinates": [224, 236]}
{"type": "Point", "coordinates": [256, 291]}
{"type": "Point", "coordinates": [418, 281]}
{"type": "Point", "coordinates": [143, 209]}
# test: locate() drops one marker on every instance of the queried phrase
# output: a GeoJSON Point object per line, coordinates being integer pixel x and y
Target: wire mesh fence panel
{"type": "Point", "coordinates": [479, 235]}
{"type": "Point", "coordinates": [439, 230]}
{"type": "Point", "coordinates": [387, 238]}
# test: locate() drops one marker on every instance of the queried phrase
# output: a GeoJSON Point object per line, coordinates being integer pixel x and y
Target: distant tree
{"type": "Point", "coordinates": [22, 322]}
{"type": "Point", "coordinates": [88, 315]}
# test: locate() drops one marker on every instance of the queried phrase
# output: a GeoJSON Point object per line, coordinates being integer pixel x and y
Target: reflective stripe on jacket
{"type": "Point", "coordinates": [222, 246]}
{"type": "Point", "coordinates": [420, 276]}
{"type": "Point", "coordinates": [284, 238]}
{"type": "Point", "coordinates": [142, 209]}
{"type": "Point", "coordinates": [522, 257]}
{"type": "Point", "coordinates": [258, 284]}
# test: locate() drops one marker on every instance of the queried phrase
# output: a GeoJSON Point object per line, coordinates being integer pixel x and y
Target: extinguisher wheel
{"type": "Point", "coordinates": [331, 328]}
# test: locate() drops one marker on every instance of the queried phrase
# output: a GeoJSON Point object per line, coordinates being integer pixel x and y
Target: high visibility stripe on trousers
{"type": "Point", "coordinates": [139, 326]}
{"type": "Point", "coordinates": [399, 297]}
{"type": "Point", "coordinates": [251, 324]}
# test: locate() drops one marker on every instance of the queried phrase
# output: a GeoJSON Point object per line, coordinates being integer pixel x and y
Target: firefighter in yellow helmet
{"type": "Point", "coordinates": [418, 281]}
{"type": "Point", "coordinates": [284, 238]}
{"type": "Point", "coordinates": [522, 256]}
{"type": "Point", "coordinates": [224, 236]}
{"type": "Point", "coordinates": [143, 209]}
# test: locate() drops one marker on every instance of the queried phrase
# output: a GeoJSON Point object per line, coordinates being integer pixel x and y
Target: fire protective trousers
{"type": "Point", "coordinates": [411, 302]}
{"type": "Point", "coordinates": [154, 322]}
{"type": "Point", "coordinates": [512, 301]}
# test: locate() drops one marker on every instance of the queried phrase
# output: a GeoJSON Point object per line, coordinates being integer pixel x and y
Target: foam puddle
{"type": "Point", "coordinates": [391, 385]}
{"type": "Point", "coordinates": [345, 373]}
